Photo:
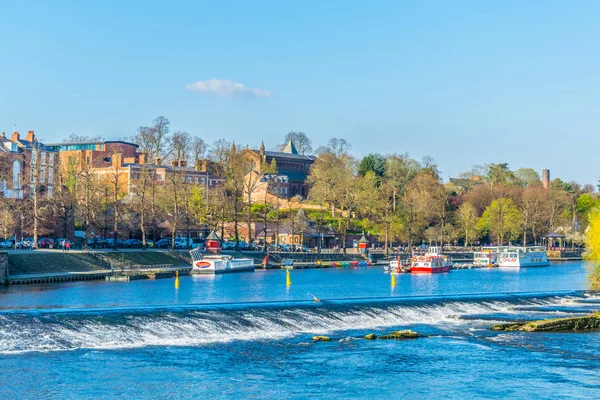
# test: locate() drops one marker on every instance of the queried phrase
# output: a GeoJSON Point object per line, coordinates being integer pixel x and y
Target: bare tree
{"type": "Point", "coordinates": [198, 149]}
{"type": "Point", "coordinates": [180, 146]}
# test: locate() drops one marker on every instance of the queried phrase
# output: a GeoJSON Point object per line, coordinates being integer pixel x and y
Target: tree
{"type": "Point", "coordinates": [502, 220]}
{"type": "Point", "coordinates": [535, 211]}
{"type": "Point", "coordinates": [301, 142]}
{"type": "Point", "coordinates": [374, 163]}
{"type": "Point", "coordinates": [116, 190]}
{"type": "Point", "coordinates": [592, 241]}
{"type": "Point", "coordinates": [76, 138]}
{"type": "Point", "coordinates": [526, 177]}
{"type": "Point", "coordinates": [499, 175]}
{"type": "Point", "coordinates": [181, 142]}
{"type": "Point", "coordinates": [154, 139]}
{"type": "Point", "coordinates": [7, 219]}
{"type": "Point", "coordinates": [198, 149]}
{"type": "Point", "coordinates": [466, 220]}
{"type": "Point", "coordinates": [420, 207]}
{"type": "Point", "coordinates": [592, 237]}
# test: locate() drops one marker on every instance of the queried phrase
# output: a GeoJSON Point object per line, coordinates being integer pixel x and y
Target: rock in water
{"type": "Point", "coordinates": [399, 335]}
{"type": "Point", "coordinates": [321, 339]}
{"type": "Point", "coordinates": [575, 324]}
{"type": "Point", "coordinates": [370, 336]}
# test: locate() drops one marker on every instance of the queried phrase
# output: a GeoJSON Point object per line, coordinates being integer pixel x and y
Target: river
{"type": "Point", "coordinates": [248, 335]}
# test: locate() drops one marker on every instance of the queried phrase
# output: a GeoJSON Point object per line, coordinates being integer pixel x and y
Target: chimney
{"type": "Point", "coordinates": [30, 136]}
{"type": "Point", "coordinates": [204, 167]}
{"type": "Point", "coordinates": [142, 158]}
{"type": "Point", "coordinates": [3, 135]}
{"type": "Point", "coordinates": [183, 163]}
{"type": "Point", "coordinates": [159, 161]}
{"type": "Point", "coordinates": [174, 163]}
{"type": "Point", "coordinates": [546, 178]}
{"type": "Point", "coordinates": [15, 137]}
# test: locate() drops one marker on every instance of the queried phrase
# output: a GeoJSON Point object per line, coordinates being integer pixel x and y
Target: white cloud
{"type": "Point", "coordinates": [226, 87]}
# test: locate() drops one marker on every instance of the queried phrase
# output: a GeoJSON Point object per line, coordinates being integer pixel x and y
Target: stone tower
{"type": "Point", "coordinates": [546, 178]}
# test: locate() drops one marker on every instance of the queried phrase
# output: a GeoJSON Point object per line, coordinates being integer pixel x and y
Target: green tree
{"type": "Point", "coordinates": [467, 222]}
{"type": "Point", "coordinates": [502, 220]}
{"type": "Point", "coordinates": [373, 163]}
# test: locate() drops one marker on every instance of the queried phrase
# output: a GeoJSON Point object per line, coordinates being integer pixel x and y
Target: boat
{"type": "Point", "coordinates": [213, 262]}
{"type": "Point", "coordinates": [220, 264]}
{"type": "Point", "coordinates": [517, 257]}
{"type": "Point", "coordinates": [487, 256]}
{"type": "Point", "coordinates": [398, 266]}
{"type": "Point", "coordinates": [429, 262]}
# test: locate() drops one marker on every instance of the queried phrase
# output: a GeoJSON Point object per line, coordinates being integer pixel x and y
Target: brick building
{"type": "Point", "coordinates": [26, 164]}
{"type": "Point", "coordinates": [292, 170]}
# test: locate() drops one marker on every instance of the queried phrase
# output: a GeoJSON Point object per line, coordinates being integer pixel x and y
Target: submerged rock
{"type": "Point", "coordinates": [370, 336]}
{"type": "Point", "coordinates": [574, 324]}
{"type": "Point", "coordinates": [398, 335]}
{"type": "Point", "coordinates": [321, 339]}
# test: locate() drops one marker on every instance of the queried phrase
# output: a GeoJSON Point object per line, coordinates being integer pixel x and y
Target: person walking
{"type": "Point", "coordinates": [68, 246]}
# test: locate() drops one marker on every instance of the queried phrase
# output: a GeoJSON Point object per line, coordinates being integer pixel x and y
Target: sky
{"type": "Point", "coordinates": [465, 82]}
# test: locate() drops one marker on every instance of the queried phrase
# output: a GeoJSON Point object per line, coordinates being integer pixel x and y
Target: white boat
{"type": "Point", "coordinates": [219, 264]}
{"type": "Point", "coordinates": [487, 256]}
{"type": "Point", "coordinates": [430, 262]}
{"type": "Point", "coordinates": [517, 257]}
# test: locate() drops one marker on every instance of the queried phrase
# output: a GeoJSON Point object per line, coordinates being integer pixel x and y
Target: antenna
{"type": "Point", "coordinates": [14, 128]}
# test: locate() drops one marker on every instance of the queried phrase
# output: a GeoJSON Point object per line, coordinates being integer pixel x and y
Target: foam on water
{"type": "Point", "coordinates": [42, 332]}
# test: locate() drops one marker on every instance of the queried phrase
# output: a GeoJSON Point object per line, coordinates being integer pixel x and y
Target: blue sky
{"type": "Point", "coordinates": [466, 82]}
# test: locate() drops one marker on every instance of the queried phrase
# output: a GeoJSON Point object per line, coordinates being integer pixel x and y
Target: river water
{"type": "Point", "coordinates": [248, 335]}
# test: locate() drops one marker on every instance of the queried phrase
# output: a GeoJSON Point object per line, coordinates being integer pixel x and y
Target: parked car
{"type": "Point", "coordinates": [46, 243]}
{"type": "Point", "coordinates": [97, 241]}
{"type": "Point", "coordinates": [110, 242]}
{"type": "Point", "coordinates": [7, 244]}
{"type": "Point", "coordinates": [228, 245]}
{"type": "Point", "coordinates": [133, 243]}
{"type": "Point", "coordinates": [27, 243]}
{"type": "Point", "coordinates": [183, 243]}
{"type": "Point", "coordinates": [163, 243]}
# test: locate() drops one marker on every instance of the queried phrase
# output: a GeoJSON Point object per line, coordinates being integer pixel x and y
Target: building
{"type": "Point", "coordinates": [96, 154]}
{"type": "Point", "coordinates": [107, 158]}
{"type": "Point", "coordinates": [27, 165]}
{"type": "Point", "coordinates": [292, 170]}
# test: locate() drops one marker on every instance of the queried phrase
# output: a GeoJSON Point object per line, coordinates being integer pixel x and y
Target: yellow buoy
{"type": "Point", "coordinates": [288, 280]}
{"type": "Point", "coordinates": [176, 279]}
{"type": "Point", "coordinates": [393, 279]}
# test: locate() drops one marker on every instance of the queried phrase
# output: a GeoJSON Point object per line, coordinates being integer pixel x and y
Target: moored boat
{"type": "Point", "coordinates": [214, 262]}
{"type": "Point", "coordinates": [517, 257]}
{"type": "Point", "coordinates": [487, 256]}
{"type": "Point", "coordinates": [430, 262]}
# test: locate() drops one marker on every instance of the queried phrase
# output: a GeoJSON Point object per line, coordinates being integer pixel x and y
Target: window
{"type": "Point", "coordinates": [16, 175]}
{"type": "Point", "coordinates": [202, 180]}
{"type": "Point", "coordinates": [50, 176]}
{"type": "Point", "coordinates": [189, 179]}
{"type": "Point", "coordinates": [195, 179]}
{"type": "Point", "coordinates": [49, 192]}
{"type": "Point", "coordinates": [33, 157]}
{"type": "Point", "coordinates": [51, 159]}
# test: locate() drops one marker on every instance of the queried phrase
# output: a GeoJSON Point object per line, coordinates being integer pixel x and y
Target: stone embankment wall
{"type": "Point", "coordinates": [3, 268]}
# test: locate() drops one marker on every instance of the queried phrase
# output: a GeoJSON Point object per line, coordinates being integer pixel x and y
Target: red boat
{"type": "Point", "coordinates": [430, 262]}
